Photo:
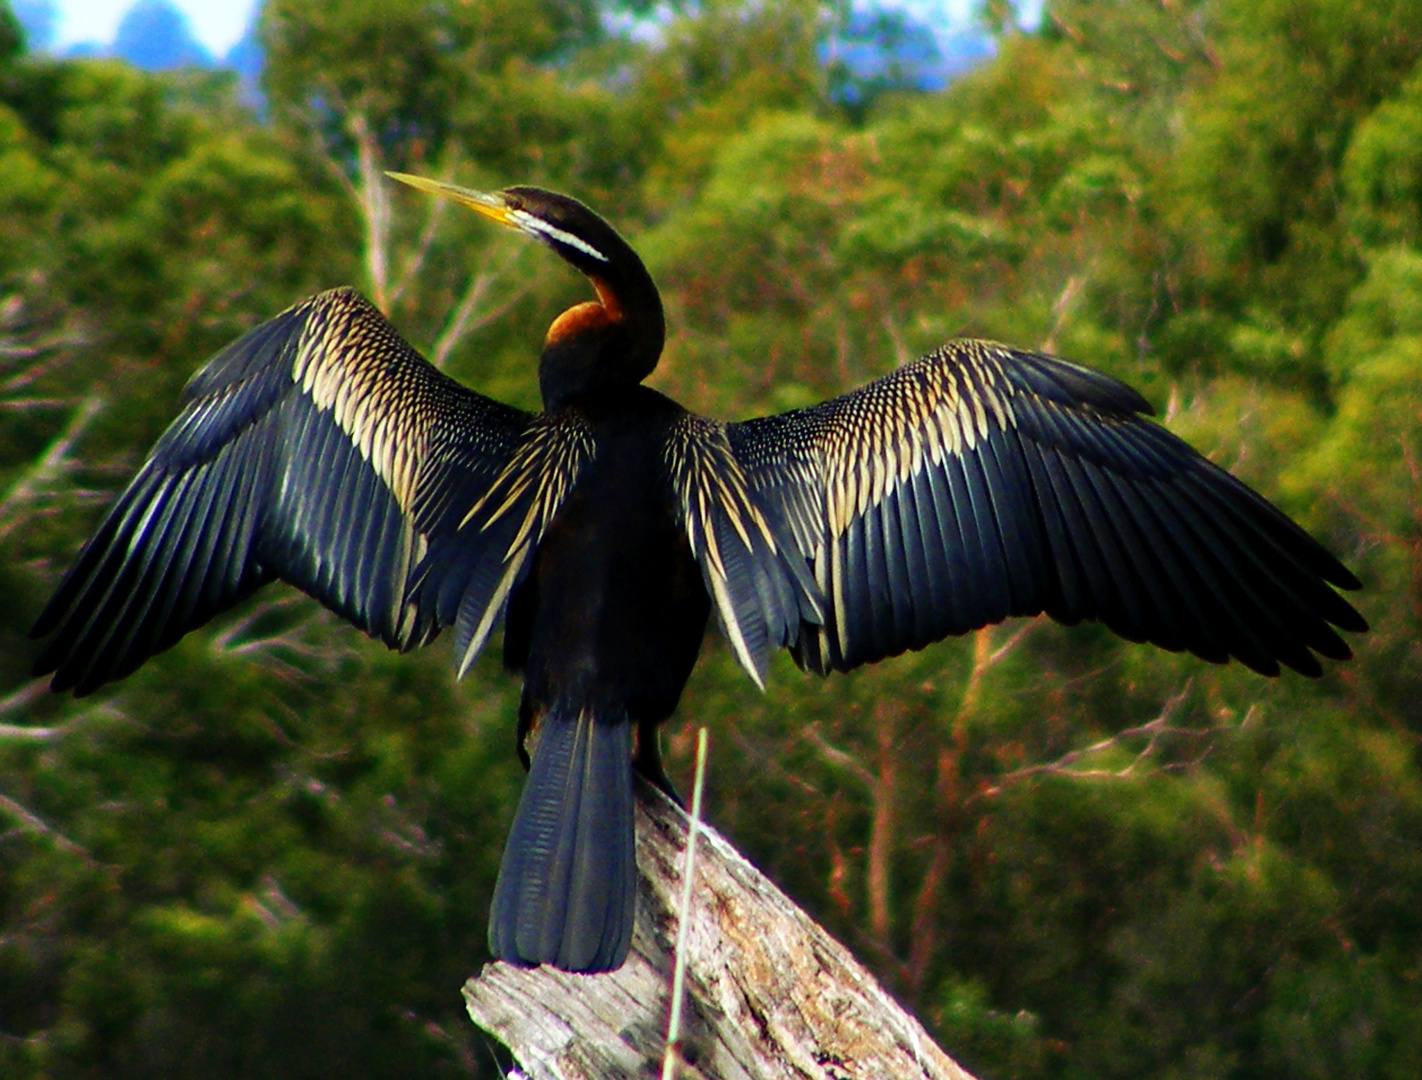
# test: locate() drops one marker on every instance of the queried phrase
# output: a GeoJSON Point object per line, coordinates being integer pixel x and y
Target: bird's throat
{"type": "Point", "coordinates": [580, 319]}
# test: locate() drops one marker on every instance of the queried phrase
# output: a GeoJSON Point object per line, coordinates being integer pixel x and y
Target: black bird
{"type": "Point", "coordinates": [977, 482]}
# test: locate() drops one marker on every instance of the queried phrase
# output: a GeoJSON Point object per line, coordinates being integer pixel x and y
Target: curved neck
{"type": "Point", "coordinates": [612, 341]}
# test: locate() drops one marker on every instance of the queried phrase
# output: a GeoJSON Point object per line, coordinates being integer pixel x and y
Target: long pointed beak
{"type": "Point", "coordinates": [495, 205]}
{"type": "Point", "coordinates": [491, 204]}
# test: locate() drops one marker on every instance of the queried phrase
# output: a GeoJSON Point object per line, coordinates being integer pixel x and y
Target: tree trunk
{"type": "Point", "coordinates": [769, 993]}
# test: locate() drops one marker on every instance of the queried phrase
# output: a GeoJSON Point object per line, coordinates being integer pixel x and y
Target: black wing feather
{"type": "Point", "coordinates": [982, 481]}
{"type": "Point", "coordinates": [954, 551]}
{"type": "Point", "coordinates": [918, 584]}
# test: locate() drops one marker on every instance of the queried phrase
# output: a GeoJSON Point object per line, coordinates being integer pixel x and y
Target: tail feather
{"type": "Point", "coordinates": [567, 885]}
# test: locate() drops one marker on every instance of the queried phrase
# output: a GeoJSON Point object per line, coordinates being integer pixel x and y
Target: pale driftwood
{"type": "Point", "coordinates": [770, 994]}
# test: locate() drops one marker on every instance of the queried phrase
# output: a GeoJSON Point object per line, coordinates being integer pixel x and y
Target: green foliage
{"type": "Point", "coordinates": [1382, 171]}
{"type": "Point", "coordinates": [1268, 135]}
{"type": "Point", "coordinates": [407, 69]}
{"type": "Point", "coordinates": [12, 35]}
{"type": "Point", "coordinates": [1009, 1044]}
{"type": "Point", "coordinates": [270, 851]}
{"type": "Point", "coordinates": [720, 66]}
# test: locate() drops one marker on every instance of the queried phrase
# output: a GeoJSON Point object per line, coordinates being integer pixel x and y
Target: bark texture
{"type": "Point", "coordinates": [769, 993]}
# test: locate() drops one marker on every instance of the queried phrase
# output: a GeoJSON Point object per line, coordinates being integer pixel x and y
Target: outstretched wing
{"type": "Point", "coordinates": [981, 481]}
{"type": "Point", "coordinates": [321, 449]}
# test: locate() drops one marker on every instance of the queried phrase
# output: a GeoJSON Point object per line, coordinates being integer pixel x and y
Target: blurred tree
{"type": "Point", "coordinates": [1260, 169]}
{"type": "Point", "coordinates": [394, 76]}
{"type": "Point", "coordinates": [12, 36]}
{"type": "Point", "coordinates": [721, 65]}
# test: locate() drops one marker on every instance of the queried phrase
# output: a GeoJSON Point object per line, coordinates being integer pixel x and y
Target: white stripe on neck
{"type": "Point", "coordinates": [529, 223]}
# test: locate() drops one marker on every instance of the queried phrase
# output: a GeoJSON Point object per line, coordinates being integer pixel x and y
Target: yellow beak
{"type": "Point", "coordinates": [491, 204]}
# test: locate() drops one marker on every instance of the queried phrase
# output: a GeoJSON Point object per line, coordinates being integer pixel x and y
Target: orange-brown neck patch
{"type": "Point", "coordinates": [578, 319]}
{"type": "Point", "coordinates": [587, 316]}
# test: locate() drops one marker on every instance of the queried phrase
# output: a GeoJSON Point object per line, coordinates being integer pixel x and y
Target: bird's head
{"type": "Point", "coordinates": [614, 340]}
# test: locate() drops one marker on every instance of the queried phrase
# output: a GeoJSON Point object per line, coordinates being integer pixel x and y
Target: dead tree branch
{"type": "Point", "coordinates": [1155, 732]}
{"type": "Point", "coordinates": [770, 994]}
{"type": "Point", "coordinates": [374, 201]}
{"type": "Point", "coordinates": [32, 484]}
{"type": "Point", "coordinates": [467, 318]}
{"type": "Point", "coordinates": [32, 822]}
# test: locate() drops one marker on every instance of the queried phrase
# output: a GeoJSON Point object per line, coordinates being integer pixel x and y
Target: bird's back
{"type": "Point", "coordinates": [614, 608]}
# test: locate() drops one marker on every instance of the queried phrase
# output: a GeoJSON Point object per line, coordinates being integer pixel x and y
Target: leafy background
{"type": "Point", "coordinates": [270, 852]}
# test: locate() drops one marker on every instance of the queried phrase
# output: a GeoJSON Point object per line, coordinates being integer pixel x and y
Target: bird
{"type": "Point", "coordinates": [975, 483]}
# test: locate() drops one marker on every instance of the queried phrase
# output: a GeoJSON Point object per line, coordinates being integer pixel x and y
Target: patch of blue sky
{"type": "Point", "coordinates": [216, 24]}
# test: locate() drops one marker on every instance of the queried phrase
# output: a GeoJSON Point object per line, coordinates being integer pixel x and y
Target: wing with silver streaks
{"type": "Point", "coordinates": [760, 587]}
{"type": "Point", "coordinates": [319, 448]}
{"type": "Point", "coordinates": [981, 481]}
{"type": "Point", "coordinates": [480, 547]}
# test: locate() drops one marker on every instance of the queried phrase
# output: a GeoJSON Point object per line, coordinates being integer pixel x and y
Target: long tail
{"type": "Point", "coordinates": [567, 886]}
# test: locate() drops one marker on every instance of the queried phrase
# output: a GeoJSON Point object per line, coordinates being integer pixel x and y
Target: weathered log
{"type": "Point", "coordinates": [770, 993]}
